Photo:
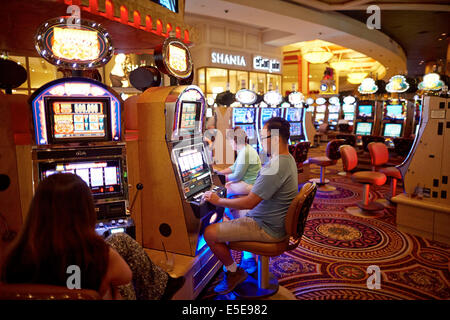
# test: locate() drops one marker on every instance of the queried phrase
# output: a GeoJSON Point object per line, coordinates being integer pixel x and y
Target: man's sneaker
{"type": "Point", "coordinates": [230, 281]}
{"type": "Point", "coordinates": [249, 265]}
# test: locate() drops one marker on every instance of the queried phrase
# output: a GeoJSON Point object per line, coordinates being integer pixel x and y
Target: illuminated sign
{"type": "Point", "coordinates": [296, 98]}
{"type": "Point", "coordinates": [349, 100]}
{"type": "Point", "coordinates": [431, 82]}
{"type": "Point", "coordinates": [367, 86]}
{"type": "Point", "coordinates": [177, 58]}
{"type": "Point", "coordinates": [245, 96]}
{"type": "Point", "coordinates": [397, 84]}
{"type": "Point", "coordinates": [223, 58]}
{"type": "Point", "coordinates": [266, 64]}
{"type": "Point", "coordinates": [174, 58]}
{"type": "Point", "coordinates": [273, 98]}
{"type": "Point", "coordinates": [334, 100]}
{"type": "Point", "coordinates": [321, 101]}
{"type": "Point", "coordinates": [309, 101]}
{"type": "Point", "coordinates": [83, 46]}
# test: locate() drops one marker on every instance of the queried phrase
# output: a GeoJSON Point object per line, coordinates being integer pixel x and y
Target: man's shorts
{"type": "Point", "coordinates": [243, 229]}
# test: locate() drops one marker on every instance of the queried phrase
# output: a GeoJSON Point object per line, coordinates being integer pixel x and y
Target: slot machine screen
{"type": "Point", "coordinates": [333, 116]}
{"type": "Point", "coordinates": [392, 130]}
{"type": "Point", "coordinates": [348, 108]}
{"type": "Point", "coordinates": [364, 128]}
{"type": "Point", "coordinates": [244, 115]}
{"type": "Point", "coordinates": [321, 108]}
{"type": "Point", "coordinates": [294, 115]}
{"type": "Point", "coordinates": [333, 109]}
{"type": "Point", "coordinates": [365, 110]}
{"type": "Point", "coordinates": [193, 169]}
{"type": "Point", "coordinates": [296, 129]}
{"type": "Point", "coordinates": [348, 116]}
{"type": "Point", "coordinates": [249, 130]}
{"type": "Point", "coordinates": [102, 177]}
{"type": "Point", "coordinates": [320, 116]}
{"type": "Point", "coordinates": [190, 115]}
{"type": "Point", "coordinates": [77, 119]}
{"type": "Point", "coordinates": [267, 113]}
{"type": "Point", "coordinates": [394, 111]}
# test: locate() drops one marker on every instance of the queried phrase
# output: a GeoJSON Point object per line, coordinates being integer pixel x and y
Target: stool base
{"type": "Point", "coordinates": [249, 289]}
{"type": "Point", "coordinates": [357, 212]}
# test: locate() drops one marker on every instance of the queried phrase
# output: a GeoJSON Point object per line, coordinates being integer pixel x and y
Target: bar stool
{"type": "Point", "coordinates": [266, 284]}
{"type": "Point", "coordinates": [366, 208]}
{"type": "Point", "coordinates": [379, 156]}
{"type": "Point", "coordinates": [331, 158]}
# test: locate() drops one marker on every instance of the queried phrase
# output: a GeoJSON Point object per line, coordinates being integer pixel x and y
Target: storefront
{"type": "Point", "coordinates": [232, 56]}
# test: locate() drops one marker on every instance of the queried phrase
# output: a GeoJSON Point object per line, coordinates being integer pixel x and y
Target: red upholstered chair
{"type": "Point", "coordinates": [330, 159]}
{"type": "Point", "coordinates": [379, 156]}
{"type": "Point", "coordinates": [26, 291]}
{"type": "Point", "coordinates": [366, 178]}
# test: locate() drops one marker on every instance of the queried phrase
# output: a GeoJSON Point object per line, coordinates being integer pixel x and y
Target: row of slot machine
{"type": "Point", "coordinates": [78, 127]}
{"type": "Point", "coordinates": [392, 118]}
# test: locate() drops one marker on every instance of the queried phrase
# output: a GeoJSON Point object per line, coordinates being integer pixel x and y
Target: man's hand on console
{"type": "Point", "coordinates": [211, 197]}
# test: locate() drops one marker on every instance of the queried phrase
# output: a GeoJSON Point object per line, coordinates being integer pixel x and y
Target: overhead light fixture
{"type": "Point", "coordinates": [356, 77]}
{"type": "Point", "coordinates": [341, 65]}
{"type": "Point", "coordinates": [317, 55]}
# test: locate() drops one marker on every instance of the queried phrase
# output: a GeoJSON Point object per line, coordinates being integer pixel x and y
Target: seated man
{"type": "Point", "coordinates": [242, 174]}
{"type": "Point", "coordinates": [269, 200]}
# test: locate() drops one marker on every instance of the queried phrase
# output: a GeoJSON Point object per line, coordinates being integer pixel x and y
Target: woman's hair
{"type": "Point", "coordinates": [238, 135]}
{"type": "Point", "coordinates": [59, 231]}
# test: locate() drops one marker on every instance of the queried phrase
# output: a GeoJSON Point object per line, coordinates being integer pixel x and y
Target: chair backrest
{"type": "Point", "coordinates": [349, 157]}
{"type": "Point", "coordinates": [332, 150]}
{"type": "Point", "coordinates": [368, 139]}
{"type": "Point", "coordinates": [301, 151]}
{"type": "Point", "coordinates": [379, 154]}
{"type": "Point", "coordinates": [323, 128]}
{"type": "Point", "coordinates": [350, 139]}
{"type": "Point", "coordinates": [27, 291]}
{"type": "Point", "coordinates": [298, 211]}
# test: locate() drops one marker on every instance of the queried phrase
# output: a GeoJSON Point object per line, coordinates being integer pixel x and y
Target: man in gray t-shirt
{"type": "Point", "coordinates": [269, 200]}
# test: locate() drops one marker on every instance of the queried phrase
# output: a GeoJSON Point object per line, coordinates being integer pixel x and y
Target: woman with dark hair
{"type": "Point", "coordinates": [59, 232]}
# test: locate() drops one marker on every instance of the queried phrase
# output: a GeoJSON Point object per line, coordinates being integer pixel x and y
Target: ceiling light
{"type": "Point", "coordinates": [317, 55]}
{"type": "Point", "coordinates": [356, 77]}
{"type": "Point", "coordinates": [341, 65]}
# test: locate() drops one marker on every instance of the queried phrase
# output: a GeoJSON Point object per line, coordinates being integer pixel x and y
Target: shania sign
{"type": "Point", "coordinates": [223, 58]}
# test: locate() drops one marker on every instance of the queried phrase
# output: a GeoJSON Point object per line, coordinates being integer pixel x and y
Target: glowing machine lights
{"type": "Point", "coordinates": [368, 86]}
{"type": "Point", "coordinates": [397, 84]}
{"type": "Point", "coordinates": [431, 82]}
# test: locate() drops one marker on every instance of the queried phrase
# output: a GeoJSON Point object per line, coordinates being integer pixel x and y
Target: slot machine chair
{"type": "Point", "coordinates": [379, 156]}
{"type": "Point", "coordinates": [300, 154]}
{"type": "Point", "coordinates": [320, 133]}
{"type": "Point", "coordinates": [366, 178]}
{"type": "Point", "coordinates": [369, 139]}
{"type": "Point", "coordinates": [330, 159]}
{"type": "Point", "coordinates": [266, 284]}
{"type": "Point", "coordinates": [27, 291]}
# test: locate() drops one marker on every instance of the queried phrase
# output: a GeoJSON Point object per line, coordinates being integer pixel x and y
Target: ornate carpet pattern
{"type": "Point", "coordinates": [337, 248]}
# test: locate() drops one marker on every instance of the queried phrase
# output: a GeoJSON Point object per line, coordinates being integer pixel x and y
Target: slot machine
{"type": "Point", "coordinates": [334, 109]}
{"type": "Point", "coordinates": [77, 122]}
{"type": "Point", "coordinates": [348, 108]}
{"type": "Point", "coordinates": [295, 116]}
{"type": "Point", "coordinates": [320, 112]}
{"type": "Point", "coordinates": [394, 118]}
{"type": "Point", "coordinates": [424, 207]}
{"type": "Point", "coordinates": [245, 117]}
{"type": "Point", "coordinates": [175, 173]}
{"type": "Point", "coordinates": [273, 100]}
{"type": "Point", "coordinates": [365, 119]}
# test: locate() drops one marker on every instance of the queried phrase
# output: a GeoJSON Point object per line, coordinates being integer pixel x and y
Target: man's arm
{"type": "Point", "coordinates": [245, 203]}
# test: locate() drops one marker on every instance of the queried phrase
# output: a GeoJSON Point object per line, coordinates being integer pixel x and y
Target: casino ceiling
{"type": "Point", "coordinates": [421, 27]}
{"type": "Point", "coordinates": [412, 34]}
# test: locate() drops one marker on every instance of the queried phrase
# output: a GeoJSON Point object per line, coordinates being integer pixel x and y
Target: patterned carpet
{"type": "Point", "coordinates": [337, 248]}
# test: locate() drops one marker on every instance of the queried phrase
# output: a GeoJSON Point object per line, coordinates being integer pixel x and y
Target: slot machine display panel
{"type": "Point", "coordinates": [245, 118]}
{"type": "Point", "coordinates": [295, 118]}
{"type": "Point", "coordinates": [363, 128]}
{"type": "Point", "coordinates": [74, 110]}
